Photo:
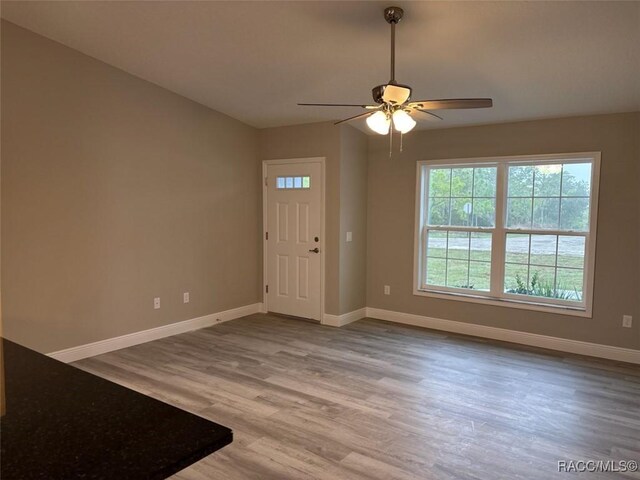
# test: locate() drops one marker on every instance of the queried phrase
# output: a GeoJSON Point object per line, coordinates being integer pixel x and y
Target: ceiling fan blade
{"type": "Point", "coordinates": [432, 116]}
{"type": "Point", "coordinates": [453, 103]}
{"type": "Point", "coordinates": [365, 114]}
{"type": "Point", "coordinates": [336, 105]}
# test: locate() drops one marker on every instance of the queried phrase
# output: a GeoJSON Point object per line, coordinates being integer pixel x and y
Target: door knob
{"type": "Point", "coordinates": [315, 250]}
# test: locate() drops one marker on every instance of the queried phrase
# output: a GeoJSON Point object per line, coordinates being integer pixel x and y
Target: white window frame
{"type": "Point", "coordinates": [496, 295]}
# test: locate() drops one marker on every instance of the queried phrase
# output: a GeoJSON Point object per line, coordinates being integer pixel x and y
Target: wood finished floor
{"type": "Point", "coordinates": [376, 400]}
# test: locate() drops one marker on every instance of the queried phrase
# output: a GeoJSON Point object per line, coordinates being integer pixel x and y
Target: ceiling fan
{"type": "Point", "coordinates": [394, 110]}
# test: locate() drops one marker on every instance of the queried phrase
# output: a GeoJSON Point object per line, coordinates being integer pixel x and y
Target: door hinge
{"type": "Point", "coordinates": [267, 288]}
{"type": "Point", "coordinates": [266, 235]}
{"type": "Point", "coordinates": [265, 181]}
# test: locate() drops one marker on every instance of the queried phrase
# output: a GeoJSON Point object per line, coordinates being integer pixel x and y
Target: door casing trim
{"type": "Point", "coordinates": [323, 242]}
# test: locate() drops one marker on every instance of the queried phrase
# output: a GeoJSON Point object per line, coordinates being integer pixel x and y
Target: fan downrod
{"type": "Point", "coordinates": [393, 14]}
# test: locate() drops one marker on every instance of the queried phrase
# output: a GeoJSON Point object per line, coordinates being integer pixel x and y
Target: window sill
{"type": "Point", "coordinates": [579, 311]}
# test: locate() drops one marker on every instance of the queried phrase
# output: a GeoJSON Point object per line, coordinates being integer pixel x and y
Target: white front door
{"type": "Point", "coordinates": [294, 238]}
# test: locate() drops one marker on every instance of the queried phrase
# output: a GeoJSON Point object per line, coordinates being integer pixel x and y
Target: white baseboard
{"type": "Point", "coordinates": [344, 319]}
{"type": "Point", "coordinates": [524, 338]}
{"type": "Point", "coordinates": [103, 346]}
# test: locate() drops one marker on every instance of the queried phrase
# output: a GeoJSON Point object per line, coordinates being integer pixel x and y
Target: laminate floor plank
{"type": "Point", "coordinates": [377, 400]}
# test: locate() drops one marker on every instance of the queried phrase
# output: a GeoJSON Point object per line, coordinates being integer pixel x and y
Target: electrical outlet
{"type": "Point", "coordinates": [156, 303]}
{"type": "Point", "coordinates": [627, 321]}
{"type": "Point", "coordinates": [349, 236]}
{"type": "Point", "coordinates": [387, 290]}
{"type": "Point", "coordinates": [185, 297]}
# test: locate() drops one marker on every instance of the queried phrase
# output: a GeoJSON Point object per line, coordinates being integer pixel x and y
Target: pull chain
{"type": "Point", "coordinates": [390, 141]}
{"type": "Point", "coordinates": [401, 141]}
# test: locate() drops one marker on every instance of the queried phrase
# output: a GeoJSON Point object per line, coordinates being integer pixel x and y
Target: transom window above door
{"type": "Point", "coordinates": [516, 231]}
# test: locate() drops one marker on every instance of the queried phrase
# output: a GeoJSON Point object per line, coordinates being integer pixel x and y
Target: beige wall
{"type": "Point", "coordinates": [391, 209]}
{"type": "Point", "coordinates": [353, 218]}
{"type": "Point", "coordinates": [115, 191]}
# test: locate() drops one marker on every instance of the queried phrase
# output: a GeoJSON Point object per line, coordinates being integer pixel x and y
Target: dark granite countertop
{"type": "Point", "coordinates": [63, 423]}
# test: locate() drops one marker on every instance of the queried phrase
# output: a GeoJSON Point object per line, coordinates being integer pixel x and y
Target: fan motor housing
{"type": "Point", "coordinates": [396, 90]}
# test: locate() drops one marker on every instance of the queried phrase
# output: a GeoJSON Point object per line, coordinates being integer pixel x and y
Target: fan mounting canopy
{"type": "Point", "coordinates": [393, 14]}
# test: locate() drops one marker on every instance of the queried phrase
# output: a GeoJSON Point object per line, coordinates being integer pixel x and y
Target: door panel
{"type": "Point", "coordinates": [283, 275]}
{"type": "Point", "coordinates": [282, 222]}
{"type": "Point", "coordinates": [294, 196]}
{"type": "Point", "coordinates": [303, 222]}
{"type": "Point", "coordinates": [303, 278]}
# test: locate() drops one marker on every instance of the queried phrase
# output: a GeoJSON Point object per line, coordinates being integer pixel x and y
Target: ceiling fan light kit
{"type": "Point", "coordinates": [402, 121]}
{"type": "Point", "coordinates": [393, 109]}
{"type": "Point", "coordinates": [379, 122]}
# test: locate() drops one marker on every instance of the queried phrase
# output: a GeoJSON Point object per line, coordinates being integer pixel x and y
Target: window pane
{"type": "Point", "coordinates": [547, 180]}
{"type": "Point", "coordinates": [458, 246]}
{"type": "Point", "coordinates": [543, 250]}
{"type": "Point", "coordinates": [520, 181]}
{"type": "Point", "coordinates": [519, 212]}
{"type": "Point", "coordinates": [484, 182]}
{"type": "Point", "coordinates": [438, 211]}
{"type": "Point", "coordinates": [517, 248]}
{"type": "Point", "coordinates": [483, 212]}
{"type": "Point", "coordinates": [479, 275]}
{"type": "Point", "coordinates": [515, 279]}
{"type": "Point", "coordinates": [576, 180]}
{"type": "Point", "coordinates": [461, 209]}
{"type": "Point", "coordinates": [574, 214]}
{"type": "Point", "coordinates": [481, 246]}
{"type": "Point", "coordinates": [439, 182]}
{"type": "Point", "coordinates": [546, 213]}
{"type": "Point", "coordinates": [571, 251]}
{"type": "Point", "coordinates": [436, 269]}
{"type": "Point", "coordinates": [293, 182]}
{"type": "Point", "coordinates": [457, 273]}
{"type": "Point", "coordinates": [569, 284]}
{"type": "Point", "coordinates": [542, 277]}
{"type": "Point", "coordinates": [542, 281]}
{"type": "Point", "coordinates": [461, 182]}
{"type": "Point", "coordinates": [436, 244]}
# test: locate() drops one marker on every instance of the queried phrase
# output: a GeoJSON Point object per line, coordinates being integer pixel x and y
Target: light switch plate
{"type": "Point", "coordinates": [627, 321]}
{"type": "Point", "coordinates": [156, 303]}
{"type": "Point", "coordinates": [349, 236]}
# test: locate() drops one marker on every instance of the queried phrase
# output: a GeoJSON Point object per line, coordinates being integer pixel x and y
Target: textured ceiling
{"type": "Point", "coordinates": [255, 60]}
